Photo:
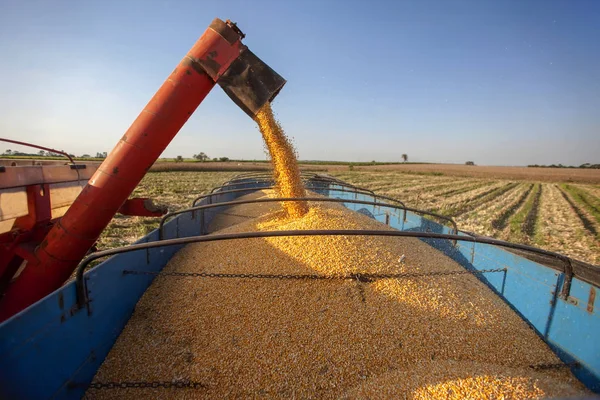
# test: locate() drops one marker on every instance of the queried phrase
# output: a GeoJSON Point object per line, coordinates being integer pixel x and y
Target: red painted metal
{"type": "Point", "coordinates": [16, 245]}
{"type": "Point", "coordinates": [71, 237]}
{"type": "Point", "coordinates": [38, 203]}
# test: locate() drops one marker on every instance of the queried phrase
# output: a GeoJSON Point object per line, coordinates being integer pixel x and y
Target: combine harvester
{"type": "Point", "coordinates": [55, 335]}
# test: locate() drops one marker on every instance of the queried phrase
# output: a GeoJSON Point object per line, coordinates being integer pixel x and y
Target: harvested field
{"type": "Point", "coordinates": [555, 229]}
{"type": "Point", "coordinates": [478, 200]}
{"type": "Point", "coordinates": [591, 189]}
{"type": "Point", "coordinates": [562, 230]}
{"type": "Point", "coordinates": [522, 227]}
{"type": "Point", "coordinates": [501, 220]}
{"type": "Point", "coordinates": [586, 201]}
{"type": "Point", "coordinates": [530, 211]}
{"type": "Point", "coordinates": [574, 175]}
{"type": "Point", "coordinates": [583, 216]}
{"type": "Point", "coordinates": [490, 218]}
{"type": "Point", "coordinates": [420, 337]}
{"type": "Point", "coordinates": [214, 166]}
{"type": "Point", "coordinates": [486, 172]}
{"type": "Point", "coordinates": [477, 204]}
{"type": "Point", "coordinates": [174, 189]}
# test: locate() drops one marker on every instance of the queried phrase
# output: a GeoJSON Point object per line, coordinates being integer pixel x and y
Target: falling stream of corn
{"type": "Point", "coordinates": [283, 157]}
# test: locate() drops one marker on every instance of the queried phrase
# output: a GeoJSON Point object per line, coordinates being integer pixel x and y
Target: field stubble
{"type": "Point", "coordinates": [546, 220]}
{"type": "Point", "coordinates": [529, 212]}
{"type": "Point", "coordinates": [174, 189]}
{"type": "Point", "coordinates": [488, 218]}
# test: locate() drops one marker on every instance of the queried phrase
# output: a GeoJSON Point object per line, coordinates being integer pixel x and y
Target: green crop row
{"type": "Point", "coordinates": [584, 199]}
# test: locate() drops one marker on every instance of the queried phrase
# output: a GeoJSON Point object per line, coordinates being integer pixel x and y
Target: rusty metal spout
{"type": "Point", "coordinates": [250, 83]}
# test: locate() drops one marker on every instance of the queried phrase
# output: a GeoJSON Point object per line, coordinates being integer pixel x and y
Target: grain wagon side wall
{"type": "Point", "coordinates": [53, 350]}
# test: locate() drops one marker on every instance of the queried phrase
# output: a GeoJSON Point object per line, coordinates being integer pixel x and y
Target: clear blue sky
{"type": "Point", "coordinates": [496, 82]}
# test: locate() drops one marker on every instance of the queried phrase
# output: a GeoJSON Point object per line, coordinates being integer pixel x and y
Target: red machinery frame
{"type": "Point", "coordinates": [218, 54]}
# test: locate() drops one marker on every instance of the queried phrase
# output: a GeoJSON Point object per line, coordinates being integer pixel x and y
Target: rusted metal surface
{"type": "Point", "coordinates": [40, 210]}
{"type": "Point", "coordinates": [215, 51]}
{"type": "Point", "coordinates": [251, 83]}
{"type": "Point", "coordinates": [566, 287]}
{"type": "Point", "coordinates": [13, 201]}
{"type": "Point", "coordinates": [38, 147]}
{"type": "Point", "coordinates": [591, 299]}
{"type": "Point", "coordinates": [142, 207]}
{"type": "Point", "coordinates": [63, 194]}
{"type": "Point", "coordinates": [16, 177]}
{"type": "Point", "coordinates": [227, 29]}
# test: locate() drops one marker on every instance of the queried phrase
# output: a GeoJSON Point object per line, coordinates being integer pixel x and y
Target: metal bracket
{"type": "Point", "coordinates": [566, 287]}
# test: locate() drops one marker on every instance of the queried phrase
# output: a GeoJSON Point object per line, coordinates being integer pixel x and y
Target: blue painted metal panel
{"type": "Point", "coordinates": [574, 331]}
{"type": "Point", "coordinates": [28, 349]}
{"type": "Point", "coordinates": [58, 349]}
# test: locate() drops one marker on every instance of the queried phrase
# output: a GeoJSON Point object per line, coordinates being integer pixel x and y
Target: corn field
{"type": "Point", "coordinates": [563, 217]}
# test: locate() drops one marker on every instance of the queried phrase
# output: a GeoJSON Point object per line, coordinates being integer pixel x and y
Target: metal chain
{"type": "Point", "coordinates": [362, 277]}
{"type": "Point", "coordinates": [150, 384]}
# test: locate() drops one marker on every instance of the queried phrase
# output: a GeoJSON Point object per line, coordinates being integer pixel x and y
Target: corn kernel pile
{"type": "Point", "coordinates": [283, 158]}
{"type": "Point", "coordinates": [426, 337]}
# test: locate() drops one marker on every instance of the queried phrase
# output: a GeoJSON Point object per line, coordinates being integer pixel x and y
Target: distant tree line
{"type": "Point", "coordinates": [43, 153]}
{"type": "Point", "coordinates": [584, 166]}
{"type": "Point", "coordinates": [202, 157]}
{"type": "Point", "coordinates": [40, 153]}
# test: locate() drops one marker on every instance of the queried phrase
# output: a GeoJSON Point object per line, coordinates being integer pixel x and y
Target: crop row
{"type": "Point", "coordinates": [585, 204]}
{"type": "Point", "coordinates": [531, 211]}
{"type": "Point", "coordinates": [541, 214]}
{"type": "Point", "coordinates": [486, 196]}
{"type": "Point", "coordinates": [501, 220]}
{"type": "Point", "coordinates": [481, 217]}
{"type": "Point", "coordinates": [561, 228]}
{"type": "Point", "coordinates": [564, 218]}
